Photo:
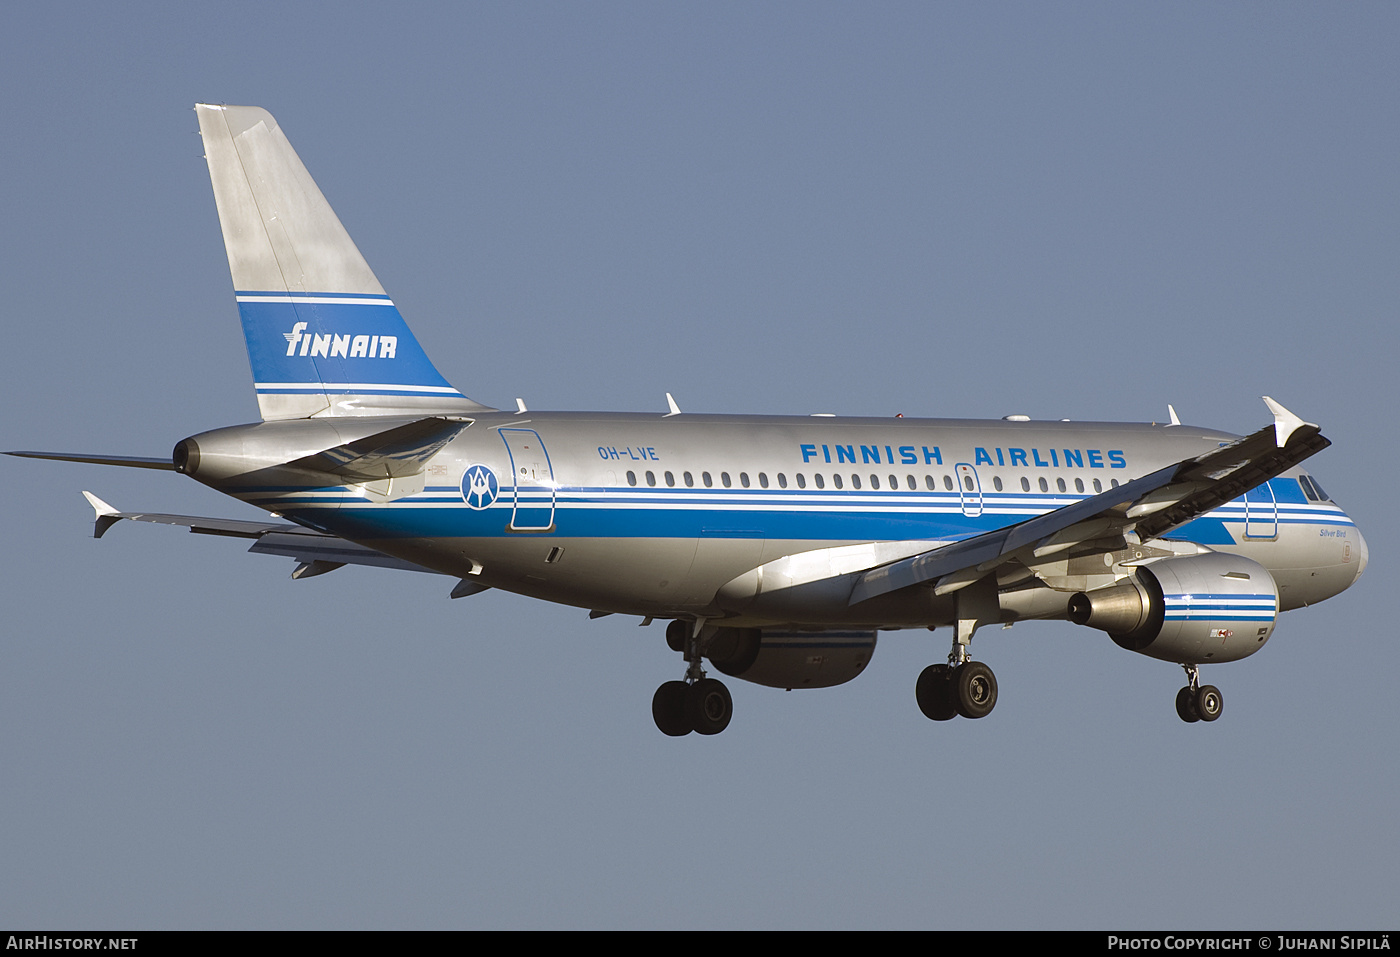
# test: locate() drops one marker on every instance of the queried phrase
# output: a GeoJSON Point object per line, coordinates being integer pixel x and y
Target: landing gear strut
{"type": "Point", "coordinates": [962, 686]}
{"type": "Point", "coordinates": [1198, 702]}
{"type": "Point", "coordinates": [698, 703]}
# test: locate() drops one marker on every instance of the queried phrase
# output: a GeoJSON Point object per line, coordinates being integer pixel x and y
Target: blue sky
{"type": "Point", "coordinates": [1077, 210]}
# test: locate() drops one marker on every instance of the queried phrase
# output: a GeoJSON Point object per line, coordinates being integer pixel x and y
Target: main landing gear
{"type": "Point", "coordinates": [946, 691]}
{"type": "Point", "coordinates": [962, 686]}
{"type": "Point", "coordinates": [698, 704]}
{"type": "Point", "coordinates": [1198, 702]}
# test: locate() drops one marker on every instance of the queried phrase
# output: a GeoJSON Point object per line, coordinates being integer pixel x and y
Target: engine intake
{"type": "Point", "coordinates": [1191, 610]}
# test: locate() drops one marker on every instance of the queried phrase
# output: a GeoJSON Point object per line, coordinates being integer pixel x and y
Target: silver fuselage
{"type": "Point", "coordinates": [661, 515]}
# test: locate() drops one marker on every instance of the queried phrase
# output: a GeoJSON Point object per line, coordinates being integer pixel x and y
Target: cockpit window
{"type": "Point", "coordinates": [1318, 488]}
{"type": "Point", "coordinates": [1306, 484]}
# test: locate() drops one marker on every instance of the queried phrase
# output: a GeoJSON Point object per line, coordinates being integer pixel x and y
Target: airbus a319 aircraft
{"type": "Point", "coordinates": [777, 547]}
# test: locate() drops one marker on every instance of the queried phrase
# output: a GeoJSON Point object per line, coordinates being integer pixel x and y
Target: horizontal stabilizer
{"type": "Point", "coordinates": [393, 453]}
{"type": "Point", "coordinates": [129, 461]}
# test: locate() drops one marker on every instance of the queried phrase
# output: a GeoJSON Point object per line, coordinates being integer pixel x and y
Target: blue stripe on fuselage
{"type": "Point", "coordinates": [732, 513]}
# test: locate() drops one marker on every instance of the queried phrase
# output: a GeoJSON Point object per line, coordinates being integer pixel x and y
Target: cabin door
{"type": "Point", "coordinates": [1260, 512]}
{"type": "Point", "coordinates": [533, 481]}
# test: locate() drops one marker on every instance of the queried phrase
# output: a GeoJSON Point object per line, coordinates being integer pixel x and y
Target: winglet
{"type": "Point", "coordinates": [106, 516]}
{"type": "Point", "coordinates": [316, 566]}
{"type": "Point", "coordinates": [1285, 422]}
{"type": "Point", "coordinates": [465, 588]}
{"type": "Point", "coordinates": [671, 404]}
{"type": "Point", "coordinates": [1171, 413]}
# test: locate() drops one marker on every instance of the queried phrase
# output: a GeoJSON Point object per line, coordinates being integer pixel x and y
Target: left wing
{"type": "Point", "coordinates": [315, 552]}
{"type": "Point", "coordinates": [1149, 507]}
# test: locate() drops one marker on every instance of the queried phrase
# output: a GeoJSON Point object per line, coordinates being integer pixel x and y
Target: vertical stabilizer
{"type": "Point", "coordinates": [323, 338]}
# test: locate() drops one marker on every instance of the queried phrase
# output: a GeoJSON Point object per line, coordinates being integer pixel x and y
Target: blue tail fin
{"type": "Point", "coordinates": [323, 338]}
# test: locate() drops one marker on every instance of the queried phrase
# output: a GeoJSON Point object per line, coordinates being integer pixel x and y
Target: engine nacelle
{"type": "Point", "coordinates": [785, 658]}
{"type": "Point", "coordinates": [1190, 610]}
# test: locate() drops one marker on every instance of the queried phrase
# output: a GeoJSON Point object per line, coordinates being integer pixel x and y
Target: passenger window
{"type": "Point", "coordinates": [651, 478]}
{"type": "Point", "coordinates": [724, 479]}
{"type": "Point", "coordinates": [1025, 484]}
{"type": "Point", "coordinates": [967, 482]}
{"type": "Point", "coordinates": [1079, 485]}
{"type": "Point", "coordinates": [631, 478]}
{"type": "Point", "coordinates": [1098, 486]}
{"type": "Point", "coordinates": [821, 482]}
{"type": "Point", "coordinates": [836, 480]}
{"type": "Point", "coordinates": [928, 480]}
{"type": "Point", "coordinates": [762, 479]}
{"type": "Point", "coordinates": [996, 482]}
{"type": "Point", "coordinates": [855, 481]}
{"type": "Point", "coordinates": [874, 481]}
{"type": "Point", "coordinates": [948, 482]}
{"type": "Point", "coordinates": [744, 479]}
{"type": "Point", "coordinates": [689, 480]}
{"type": "Point", "coordinates": [909, 479]}
{"type": "Point", "coordinates": [782, 480]}
{"type": "Point", "coordinates": [670, 480]}
{"type": "Point", "coordinates": [1044, 485]}
{"type": "Point", "coordinates": [705, 477]}
{"type": "Point", "coordinates": [801, 480]}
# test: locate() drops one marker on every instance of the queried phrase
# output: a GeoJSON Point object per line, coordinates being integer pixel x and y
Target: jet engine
{"type": "Point", "coordinates": [1190, 610]}
{"type": "Point", "coordinates": [786, 658]}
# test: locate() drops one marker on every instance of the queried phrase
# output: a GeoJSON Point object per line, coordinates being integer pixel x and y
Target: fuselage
{"type": "Point", "coordinates": [656, 515]}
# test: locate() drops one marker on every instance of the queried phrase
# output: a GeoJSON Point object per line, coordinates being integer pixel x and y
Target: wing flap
{"type": "Point", "coordinates": [328, 550]}
{"type": "Point", "coordinates": [394, 453]}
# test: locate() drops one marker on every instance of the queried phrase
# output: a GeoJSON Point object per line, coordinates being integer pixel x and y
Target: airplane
{"type": "Point", "coordinates": [776, 547]}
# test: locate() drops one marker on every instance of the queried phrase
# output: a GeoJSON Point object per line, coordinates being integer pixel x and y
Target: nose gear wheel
{"type": "Point", "coordinates": [1198, 702]}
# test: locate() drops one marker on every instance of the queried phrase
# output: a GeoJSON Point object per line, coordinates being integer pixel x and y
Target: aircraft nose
{"type": "Point", "coordinates": [1362, 554]}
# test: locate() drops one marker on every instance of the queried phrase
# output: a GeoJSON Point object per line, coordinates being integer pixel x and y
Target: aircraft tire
{"type": "Point", "coordinates": [935, 693]}
{"type": "Point", "coordinates": [1209, 702]}
{"type": "Point", "coordinates": [668, 709]}
{"type": "Point", "coordinates": [676, 634]}
{"type": "Point", "coordinates": [708, 706]}
{"type": "Point", "coordinates": [1186, 706]}
{"type": "Point", "coordinates": [976, 690]}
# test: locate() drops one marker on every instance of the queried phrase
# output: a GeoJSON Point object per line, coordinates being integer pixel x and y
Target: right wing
{"type": "Point", "coordinates": [1149, 507]}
